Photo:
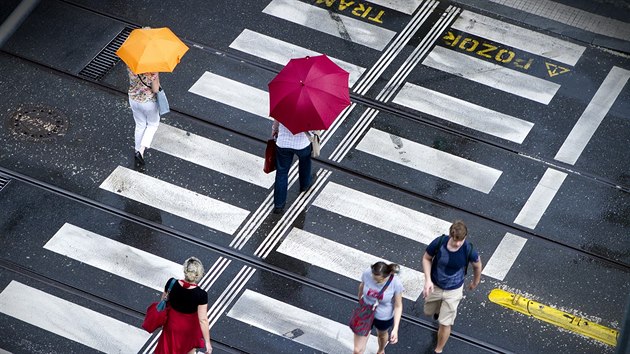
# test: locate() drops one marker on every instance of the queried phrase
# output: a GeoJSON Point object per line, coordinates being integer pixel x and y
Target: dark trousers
{"type": "Point", "coordinates": [284, 158]}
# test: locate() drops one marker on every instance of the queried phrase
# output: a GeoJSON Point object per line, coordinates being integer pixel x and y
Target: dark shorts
{"type": "Point", "coordinates": [383, 325]}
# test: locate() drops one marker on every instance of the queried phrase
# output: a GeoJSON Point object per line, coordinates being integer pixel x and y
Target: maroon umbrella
{"type": "Point", "coordinates": [308, 94]}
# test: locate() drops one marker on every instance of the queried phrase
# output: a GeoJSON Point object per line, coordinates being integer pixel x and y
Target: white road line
{"type": "Point", "coordinates": [353, 135]}
{"type": "Point", "coordinates": [331, 23]}
{"type": "Point", "coordinates": [227, 296]}
{"type": "Point", "coordinates": [463, 113]}
{"type": "Point", "coordinates": [406, 7]}
{"type": "Point", "coordinates": [495, 76]}
{"type": "Point", "coordinates": [232, 93]}
{"type": "Point", "coordinates": [320, 333]}
{"type": "Point", "coordinates": [289, 217]}
{"type": "Point", "coordinates": [504, 256]}
{"type": "Point", "coordinates": [280, 52]}
{"type": "Point", "coordinates": [429, 160]}
{"type": "Point", "coordinates": [70, 320]}
{"type": "Point", "coordinates": [593, 115]}
{"type": "Point", "coordinates": [175, 200]}
{"type": "Point", "coordinates": [418, 53]}
{"type": "Point", "coordinates": [343, 260]}
{"type": "Point", "coordinates": [380, 213]}
{"type": "Point", "coordinates": [519, 38]}
{"type": "Point", "coordinates": [212, 155]}
{"type": "Point", "coordinates": [113, 257]}
{"type": "Point", "coordinates": [540, 199]}
{"type": "Point", "coordinates": [395, 48]}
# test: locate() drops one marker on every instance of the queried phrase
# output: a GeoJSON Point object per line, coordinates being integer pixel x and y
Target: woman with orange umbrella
{"type": "Point", "coordinates": [146, 52]}
{"type": "Point", "coordinates": [142, 99]}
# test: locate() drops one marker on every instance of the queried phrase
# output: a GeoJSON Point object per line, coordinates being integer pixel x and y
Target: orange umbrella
{"type": "Point", "coordinates": [152, 50]}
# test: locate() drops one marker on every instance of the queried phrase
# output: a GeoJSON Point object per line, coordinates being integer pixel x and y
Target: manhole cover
{"type": "Point", "coordinates": [38, 122]}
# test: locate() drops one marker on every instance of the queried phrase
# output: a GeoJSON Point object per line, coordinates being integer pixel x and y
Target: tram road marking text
{"type": "Point", "coordinates": [343, 260]}
{"type": "Point", "coordinates": [304, 327]}
{"type": "Point", "coordinates": [429, 160]}
{"type": "Point", "coordinates": [232, 93]}
{"type": "Point", "coordinates": [280, 52]}
{"type": "Point", "coordinates": [322, 20]}
{"type": "Point", "coordinates": [493, 75]}
{"type": "Point", "coordinates": [593, 115]}
{"type": "Point", "coordinates": [112, 256]}
{"type": "Point", "coordinates": [519, 38]}
{"type": "Point", "coordinates": [212, 155]}
{"type": "Point", "coordinates": [463, 113]}
{"type": "Point", "coordinates": [504, 256]}
{"type": "Point", "coordinates": [176, 200]}
{"type": "Point", "coordinates": [359, 9]}
{"type": "Point", "coordinates": [540, 198]}
{"type": "Point", "coordinates": [380, 213]}
{"type": "Point", "coordinates": [69, 320]}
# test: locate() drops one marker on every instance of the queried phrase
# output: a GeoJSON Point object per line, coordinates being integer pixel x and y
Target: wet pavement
{"type": "Point", "coordinates": [86, 234]}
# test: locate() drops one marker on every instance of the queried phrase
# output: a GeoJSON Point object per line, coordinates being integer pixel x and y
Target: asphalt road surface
{"type": "Point", "coordinates": [517, 124]}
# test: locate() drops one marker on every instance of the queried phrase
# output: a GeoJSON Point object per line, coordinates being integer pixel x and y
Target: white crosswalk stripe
{"type": "Point", "coordinates": [69, 320]}
{"type": "Point", "coordinates": [429, 160]}
{"type": "Point", "coordinates": [330, 23]}
{"type": "Point", "coordinates": [232, 93]}
{"type": "Point", "coordinates": [463, 113]}
{"type": "Point", "coordinates": [280, 52]}
{"type": "Point", "coordinates": [113, 257]}
{"type": "Point", "coordinates": [492, 75]}
{"type": "Point", "coordinates": [294, 323]}
{"type": "Point", "coordinates": [212, 155]}
{"type": "Point", "coordinates": [343, 260]}
{"type": "Point", "coordinates": [176, 200]}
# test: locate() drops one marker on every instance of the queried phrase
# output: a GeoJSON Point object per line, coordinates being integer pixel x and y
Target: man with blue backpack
{"type": "Point", "coordinates": [445, 264]}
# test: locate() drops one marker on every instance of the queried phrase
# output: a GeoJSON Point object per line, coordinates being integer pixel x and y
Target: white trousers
{"type": "Point", "coordinates": [147, 118]}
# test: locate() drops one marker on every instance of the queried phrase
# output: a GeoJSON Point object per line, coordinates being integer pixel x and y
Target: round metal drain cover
{"type": "Point", "coordinates": [38, 122]}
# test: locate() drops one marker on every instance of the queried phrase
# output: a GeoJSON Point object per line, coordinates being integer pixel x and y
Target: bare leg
{"type": "Point", "coordinates": [383, 338]}
{"type": "Point", "coordinates": [442, 336]}
{"type": "Point", "coordinates": [359, 344]}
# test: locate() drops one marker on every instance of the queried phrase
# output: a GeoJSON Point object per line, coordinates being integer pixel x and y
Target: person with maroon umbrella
{"type": "Point", "coordinates": [307, 94]}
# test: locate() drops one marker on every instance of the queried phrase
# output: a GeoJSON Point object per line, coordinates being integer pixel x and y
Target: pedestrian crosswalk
{"type": "Point", "coordinates": [333, 196]}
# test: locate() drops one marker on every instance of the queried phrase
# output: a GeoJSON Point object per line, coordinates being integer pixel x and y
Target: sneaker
{"type": "Point", "coordinates": [277, 210]}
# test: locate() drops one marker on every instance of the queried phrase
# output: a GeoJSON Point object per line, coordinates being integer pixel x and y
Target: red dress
{"type": "Point", "coordinates": [182, 331]}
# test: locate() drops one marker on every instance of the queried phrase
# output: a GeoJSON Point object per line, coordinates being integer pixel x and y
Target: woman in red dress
{"type": "Point", "coordinates": [186, 328]}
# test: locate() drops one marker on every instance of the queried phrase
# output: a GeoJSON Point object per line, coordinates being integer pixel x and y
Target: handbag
{"type": "Point", "coordinates": [157, 312]}
{"type": "Point", "coordinates": [162, 102]}
{"type": "Point", "coordinates": [314, 137]}
{"type": "Point", "coordinates": [363, 316]}
{"type": "Point", "coordinates": [270, 156]}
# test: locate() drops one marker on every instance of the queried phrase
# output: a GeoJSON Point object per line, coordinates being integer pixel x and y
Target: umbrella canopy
{"type": "Point", "coordinates": [308, 94]}
{"type": "Point", "coordinates": [152, 50]}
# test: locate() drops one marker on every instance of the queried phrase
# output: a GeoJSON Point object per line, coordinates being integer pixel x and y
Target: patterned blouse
{"type": "Point", "coordinates": [138, 91]}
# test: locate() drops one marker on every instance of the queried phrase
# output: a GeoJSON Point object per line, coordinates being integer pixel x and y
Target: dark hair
{"type": "Point", "coordinates": [383, 269]}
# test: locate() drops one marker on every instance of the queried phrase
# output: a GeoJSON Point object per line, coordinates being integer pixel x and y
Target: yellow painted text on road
{"type": "Point", "coordinates": [556, 317]}
{"type": "Point", "coordinates": [486, 50]}
{"type": "Point", "coordinates": [356, 8]}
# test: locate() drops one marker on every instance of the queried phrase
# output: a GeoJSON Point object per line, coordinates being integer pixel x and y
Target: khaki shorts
{"type": "Point", "coordinates": [445, 303]}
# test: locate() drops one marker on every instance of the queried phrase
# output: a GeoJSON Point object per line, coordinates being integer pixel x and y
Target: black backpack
{"type": "Point", "coordinates": [441, 242]}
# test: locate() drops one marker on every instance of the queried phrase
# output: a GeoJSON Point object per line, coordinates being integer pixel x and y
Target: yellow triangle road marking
{"type": "Point", "coordinates": [553, 69]}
